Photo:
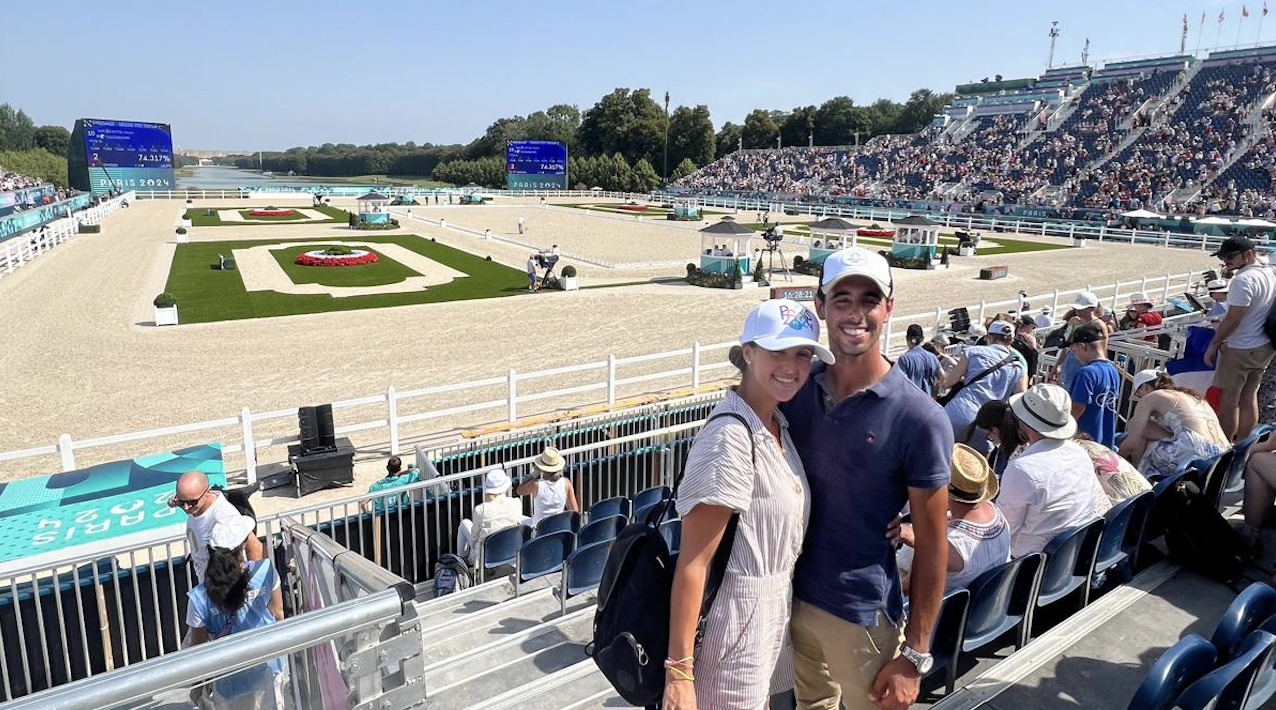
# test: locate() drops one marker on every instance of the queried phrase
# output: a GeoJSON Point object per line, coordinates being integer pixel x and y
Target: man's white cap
{"type": "Point", "coordinates": [780, 324]}
{"type": "Point", "coordinates": [230, 534]}
{"type": "Point", "coordinates": [856, 261]}
{"type": "Point", "coordinates": [1216, 285]}
{"type": "Point", "coordinates": [1084, 300]}
{"type": "Point", "coordinates": [1001, 327]}
{"type": "Point", "coordinates": [976, 330]}
{"type": "Point", "coordinates": [496, 481]}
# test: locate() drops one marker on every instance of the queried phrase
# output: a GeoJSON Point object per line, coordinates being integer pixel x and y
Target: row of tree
{"type": "Point", "coordinates": [345, 159]}
{"type": "Point", "coordinates": [610, 172]}
{"type": "Point", "coordinates": [31, 150]}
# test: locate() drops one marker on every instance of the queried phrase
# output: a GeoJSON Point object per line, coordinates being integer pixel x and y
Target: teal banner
{"type": "Point", "coordinates": [536, 182]}
{"type": "Point", "coordinates": [22, 221]}
{"type": "Point", "coordinates": [48, 513]}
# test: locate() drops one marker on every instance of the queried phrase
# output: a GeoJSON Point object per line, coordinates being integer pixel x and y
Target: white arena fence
{"type": "Point", "coordinates": [21, 249]}
{"type": "Point", "coordinates": [1046, 227]}
{"type": "Point", "coordinates": [509, 396]}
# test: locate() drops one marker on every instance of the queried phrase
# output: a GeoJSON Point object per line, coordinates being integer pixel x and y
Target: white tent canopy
{"type": "Point", "coordinates": [1141, 214]}
{"type": "Point", "coordinates": [1256, 223]}
{"type": "Point", "coordinates": [1214, 220]}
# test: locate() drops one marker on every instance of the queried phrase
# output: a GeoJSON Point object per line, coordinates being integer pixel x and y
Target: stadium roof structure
{"type": "Point", "coordinates": [916, 220]}
{"type": "Point", "coordinates": [832, 225]}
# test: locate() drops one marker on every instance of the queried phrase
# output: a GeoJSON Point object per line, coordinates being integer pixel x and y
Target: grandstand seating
{"type": "Point", "coordinates": [566, 520]}
{"type": "Point", "coordinates": [600, 529]}
{"type": "Point", "coordinates": [501, 548]}
{"type": "Point", "coordinates": [1123, 532]}
{"type": "Point", "coordinates": [1253, 606]}
{"type": "Point", "coordinates": [1069, 564]}
{"type": "Point", "coordinates": [1189, 659]}
{"type": "Point", "coordinates": [543, 555]}
{"type": "Point", "coordinates": [1229, 685]}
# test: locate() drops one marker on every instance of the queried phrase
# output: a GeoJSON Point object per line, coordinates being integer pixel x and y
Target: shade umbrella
{"type": "Point", "coordinates": [1213, 220]}
{"type": "Point", "coordinates": [1256, 223]}
{"type": "Point", "coordinates": [1141, 214]}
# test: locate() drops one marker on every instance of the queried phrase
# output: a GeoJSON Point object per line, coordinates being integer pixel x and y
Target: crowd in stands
{"type": "Point", "coordinates": [12, 181]}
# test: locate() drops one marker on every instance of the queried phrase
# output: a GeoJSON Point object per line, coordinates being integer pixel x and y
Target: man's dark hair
{"type": "Point", "coordinates": [394, 465]}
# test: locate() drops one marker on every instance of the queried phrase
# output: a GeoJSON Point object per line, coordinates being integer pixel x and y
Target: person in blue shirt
{"type": "Point", "coordinates": [1096, 388]}
{"type": "Point", "coordinates": [395, 477]}
{"type": "Point", "coordinates": [919, 364]}
{"type": "Point", "coordinates": [870, 442]}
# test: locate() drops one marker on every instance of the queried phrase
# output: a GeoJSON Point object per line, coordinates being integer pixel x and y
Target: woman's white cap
{"type": "Point", "coordinates": [1143, 377]}
{"type": "Point", "coordinates": [780, 324]}
{"type": "Point", "coordinates": [230, 534]}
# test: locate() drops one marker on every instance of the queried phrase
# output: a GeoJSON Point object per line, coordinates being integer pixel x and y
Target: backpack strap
{"type": "Point", "coordinates": [718, 567]}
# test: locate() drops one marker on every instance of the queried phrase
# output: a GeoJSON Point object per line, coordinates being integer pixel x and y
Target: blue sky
{"type": "Point", "coordinates": [271, 74]}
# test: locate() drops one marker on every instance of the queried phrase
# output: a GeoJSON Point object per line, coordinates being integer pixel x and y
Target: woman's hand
{"type": "Point", "coordinates": [679, 694]}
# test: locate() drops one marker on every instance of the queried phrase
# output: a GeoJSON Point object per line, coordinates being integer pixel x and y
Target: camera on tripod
{"type": "Point", "coordinates": [773, 235]}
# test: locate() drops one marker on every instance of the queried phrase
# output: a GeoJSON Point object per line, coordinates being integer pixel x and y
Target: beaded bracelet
{"type": "Point", "coordinates": [681, 668]}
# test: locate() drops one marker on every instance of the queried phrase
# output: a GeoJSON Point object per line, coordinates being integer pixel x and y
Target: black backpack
{"type": "Point", "coordinates": [631, 625]}
{"type": "Point", "coordinates": [1198, 536]}
{"type": "Point", "coordinates": [451, 574]}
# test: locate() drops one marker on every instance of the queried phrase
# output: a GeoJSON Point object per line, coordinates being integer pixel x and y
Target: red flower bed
{"type": "Point", "coordinates": [271, 213]}
{"type": "Point", "coordinates": [352, 260]}
{"type": "Point", "coordinates": [634, 208]}
{"type": "Point", "coordinates": [875, 232]}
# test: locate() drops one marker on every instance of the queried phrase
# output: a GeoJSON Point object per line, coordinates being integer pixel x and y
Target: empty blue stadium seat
{"type": "Point", "coordinates": [671, 530]}
{"type": "Point", "coordinates": [543, 555]}
{"type": "Point", "coordinates": [1122, 535]}
{"type": "Point", "coordinates": [648, 497]}
{"type": "Point", "coordinates": [641, 514]}
{"type": "Point", "coordinates": [1070, 563]}
{"type": "Point", "coordinates": [583, 570]}
{"type": "Point", "coordinates": [1251, 608]}
{"type": "Point", "coordinates": [1001, 599]}
{"type": "Point", "coordinates": [1228, 686]}
{"type": "Point", "coordinates": [501, 548]}
{"type": "Point", "coordinates": [1188, 659]}
{"type": "Point", "coordinates": [1236, 476]}
{"type": "Point", "coordinates": [568, 520]}
{"type": "Point", "coordinates": [607, 507]}
{"type": "Point", "coordinates": [600, 529]}
{"type": "Point", "coordinates": [946, 637]}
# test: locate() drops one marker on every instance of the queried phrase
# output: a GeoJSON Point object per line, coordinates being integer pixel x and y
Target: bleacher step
{"type": "Point", "coordinates": [480, 605]}
{"type": "Point", "coordinates": [580, 685]}
{"type": "Point", "coordinates": [504, 620]}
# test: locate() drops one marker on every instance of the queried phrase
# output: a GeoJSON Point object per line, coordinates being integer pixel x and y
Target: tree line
{"type": "Point", "coordinates": [31, 150]}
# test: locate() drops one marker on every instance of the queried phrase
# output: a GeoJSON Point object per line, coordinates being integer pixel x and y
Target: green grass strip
{"type": "Point", "coordinates": [199, 218]}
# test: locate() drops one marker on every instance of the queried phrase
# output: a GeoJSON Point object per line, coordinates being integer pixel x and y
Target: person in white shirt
{"type": "Point", "coordinates": [204, 508]}
{"type": "Point", "coordinates": [497, 512]}
{"type": "Point", "coordinates": [521, 224]}
{"type": "Point", "coordinates": [551, 492]}
{"type": "Point", "coordinates": [1240, 348]}
{"type": "Point", "coordinates": [1050, 486]}
{"type": "Point", "coordinates": [1043, 318]}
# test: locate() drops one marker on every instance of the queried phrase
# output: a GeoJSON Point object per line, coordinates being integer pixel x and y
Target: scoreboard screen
{"type": "Point", "coordinates": [127, 155]}
{"type": "Point", "coordinates": [535, 165]}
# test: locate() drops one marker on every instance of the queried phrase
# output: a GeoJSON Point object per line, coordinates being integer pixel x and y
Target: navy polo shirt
{"type": "Point", "coordinates": [861, 455]}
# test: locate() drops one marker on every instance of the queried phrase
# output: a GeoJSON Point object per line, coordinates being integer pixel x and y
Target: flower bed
{"type": "Point", "coordinates": [875, 232]}
{"type": "Point", "coordinates": [356, 257]}
{"type": "Point", "coordinates": [634, 208]}
{"type": "Point", "coordinates": [272, 213]}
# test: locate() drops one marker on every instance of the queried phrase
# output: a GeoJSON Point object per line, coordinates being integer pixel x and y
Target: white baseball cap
{"type": "Point", "coordinates": [1217, 285]}
{"type": "Point", "coordinates": [1143, 377]}
{"type": "Point", "coordinates": [1046, 409]}
{"type": "Point", "coordinates": [976, 330]}
{"type": "Point", "coordinates": [780, 324]}
{"type": "Point", "coordinates": [1084, 300]}
{"type": "Point", "coordinates": [230, 534]}
{"type": "Point", "coordinates": [1001, 327]}
{"type": "Point", "coordinates": [856, 261]}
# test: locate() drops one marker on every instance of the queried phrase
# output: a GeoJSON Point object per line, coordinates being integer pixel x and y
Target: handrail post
{"type": "Point", "coordinates": [983, 305]}
{"type": "Point", "coordinates": [250, 446]}
{"type": "Point", "coordinates": [1165, 292]}
{"type": "Point", "coordinates": [392, 417]}
{"type": "Point", "coordinates": [695, 366]}
{"type": "Point", "coordinates": [66, 452]}
{"type": "Point", "coordinates": [513, 396]}
{"type": "Point", "coordinates": [611, 379]}
{"type": "Point", "coordinates": [939, 321]}
{"type": "Point", "coordinates": [1116, 287]}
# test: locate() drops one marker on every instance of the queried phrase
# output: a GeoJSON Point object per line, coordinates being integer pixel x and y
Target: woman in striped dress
{"type": "Point", "coordinates": [753, 471]}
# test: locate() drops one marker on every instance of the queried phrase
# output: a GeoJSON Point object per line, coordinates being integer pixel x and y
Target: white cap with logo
{"type": "Point", "coordinates": [780, 324]}
{"type": "Point", "coordinates": [1001, 327]}
{"type": "Point", "coordinates": [856, 261]}
{"type": "Point", "coordinates": [1084, 300]}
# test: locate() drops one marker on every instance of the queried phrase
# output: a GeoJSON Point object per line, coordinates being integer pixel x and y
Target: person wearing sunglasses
{"type": "Point", "coordinates": [204, 508]}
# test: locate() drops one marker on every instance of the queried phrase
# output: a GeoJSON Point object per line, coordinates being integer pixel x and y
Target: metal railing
{"type": "Point", "coordinates": [365, 632]}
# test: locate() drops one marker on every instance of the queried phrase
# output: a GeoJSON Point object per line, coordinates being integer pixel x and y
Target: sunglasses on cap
{"type": "Point", "coordinates": [175, 502]}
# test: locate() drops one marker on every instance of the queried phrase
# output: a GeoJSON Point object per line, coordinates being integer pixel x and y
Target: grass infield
{"type": "Point", "coordinates": [206, 295]}
{"type": "Point", "coordinates": [199, 219]}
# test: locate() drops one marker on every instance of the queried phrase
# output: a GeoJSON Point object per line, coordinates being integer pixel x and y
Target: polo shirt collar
{"type": "Point", "coordinates": [883, 388]}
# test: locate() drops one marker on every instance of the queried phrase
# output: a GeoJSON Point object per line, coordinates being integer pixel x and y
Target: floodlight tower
{"type": "Point", "coordinates": [1054, 35]}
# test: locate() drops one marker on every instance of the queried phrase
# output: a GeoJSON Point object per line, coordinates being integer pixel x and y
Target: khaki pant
{"type": "Point", "coordinates": [836, 660]}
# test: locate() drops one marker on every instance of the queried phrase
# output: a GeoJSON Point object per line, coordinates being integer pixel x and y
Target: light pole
{"type": "Point", "coordinates": [666, 171]}
{"type": "Point", "coordinates": [1054, 35]}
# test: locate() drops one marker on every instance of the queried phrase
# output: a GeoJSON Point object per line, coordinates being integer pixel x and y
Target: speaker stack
{"type": "Point", "coordinates": [320, 459]}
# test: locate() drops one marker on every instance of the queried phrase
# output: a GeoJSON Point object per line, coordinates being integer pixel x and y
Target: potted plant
{"type": "Point", "coordinates": [737, 281]}
{"type": "Point", "coordinates": [181, 235]}
{"type": "Point", "coordinates": [165, 309]}
{"type": "Point", "coordinates": [569, 279]}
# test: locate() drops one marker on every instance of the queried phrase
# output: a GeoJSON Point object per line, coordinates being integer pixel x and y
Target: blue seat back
{"type": "Point", "coordinates": [641, 513]}
{"type": "Point", "coordinates": [1188, 659]}
{"type": "Point", "coordinates": [1000, 593]}
{"type": "Point", "coordinates": [545, 554]}
{"type": "Point", "coordinates": [1253, 606]}
{"type": "Point", "coordinates": [671, 531]}
{"type": "Point", "coordinates": [945, 638]}
{"type": "Point", "coordinates": [585, 567]}
{"type": "Point", "coordinates": [1070, 560]}
{"type": "Point", "coordinates": [600, 529]}
{"type": "Point", "coordinates": [1123, 531]}
{"type": "Point", "coordinates": [568, 520]}
{"type": "Point", "coordinates": [1236, 476]}
{"type": "Point", "coordinates": [648, 497]}
{"type": "Point", "coordinates": [607, 507]}
{"type": "Point", "coordinates": [1228, 686]}
{"type": "Point", "coordinates": [501, 547]}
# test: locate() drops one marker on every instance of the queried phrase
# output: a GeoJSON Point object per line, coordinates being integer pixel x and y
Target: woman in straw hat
{"type": "Point", "coordinates": [551, 492]}
{"type": "Point", "coordinates": [978, 536]}
{"type": "Point", "coordinates": [751, 468]}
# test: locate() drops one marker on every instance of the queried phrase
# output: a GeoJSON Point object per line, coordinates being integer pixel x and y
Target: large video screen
{"type": "Point", "coordinates": [535, 165]}
{"type": "Point", "coordinates": [128, 155]}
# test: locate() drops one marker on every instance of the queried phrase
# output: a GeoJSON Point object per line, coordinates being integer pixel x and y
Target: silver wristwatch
{"type": "Point", "coordinates": [923, 662]}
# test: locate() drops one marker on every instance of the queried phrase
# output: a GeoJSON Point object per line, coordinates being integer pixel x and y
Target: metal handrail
{"type": "Point", "coordinates": [352, 567]}
{"type": "Point", "coordinates": [177, 670]}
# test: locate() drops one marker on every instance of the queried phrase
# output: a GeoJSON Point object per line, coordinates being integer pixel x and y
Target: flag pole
{"type": "Point", "coordinates": [1218, 35]}
{"type": "Point", "coordinates": [1200, 30]}
{"type": "Point", "coordinates": [1258, 37]}
{"type": "Point", "coordinates": [1239, 25]}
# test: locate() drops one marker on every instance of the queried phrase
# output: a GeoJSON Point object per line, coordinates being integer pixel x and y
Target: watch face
{"type": "Point", "coordinates": [925, 663]}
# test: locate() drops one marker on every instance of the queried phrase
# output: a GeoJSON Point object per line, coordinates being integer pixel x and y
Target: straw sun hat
{"type": "Point", "coordinates": [972, 479]}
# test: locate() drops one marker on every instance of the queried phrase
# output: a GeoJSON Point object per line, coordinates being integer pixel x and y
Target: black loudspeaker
{"type": "Point", "coordinates": [327, 431]}
{"type": "Point", "coordinates": [960, 319]}
{"type": "Point", "coordinates": [308, 424]}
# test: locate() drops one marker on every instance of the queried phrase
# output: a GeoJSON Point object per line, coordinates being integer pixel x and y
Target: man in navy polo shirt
{"type": "Point", "coordinates": [870, 442]}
